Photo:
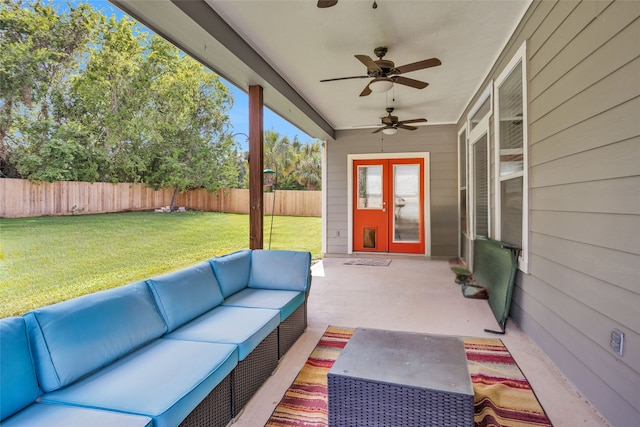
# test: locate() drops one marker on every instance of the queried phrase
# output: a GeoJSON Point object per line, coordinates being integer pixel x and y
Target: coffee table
{"type": "Point", "coordinates": [390, 378]}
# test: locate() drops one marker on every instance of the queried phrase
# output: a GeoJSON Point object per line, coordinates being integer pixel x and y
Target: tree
{"type": "Point", "coordinates": [279, 156]}
{"type": "Point", "coordinates": [39, 50]}
{"type": "Point", "coordinates": [308, 171]}
{"type": "Point", "coordinates": [190, 148]}
{"type": "Point", "coordinates": [95, 99]}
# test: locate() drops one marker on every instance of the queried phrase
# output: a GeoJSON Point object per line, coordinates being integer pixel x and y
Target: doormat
{"type": "Point", "coordinates": [503, 396]}
{"type": "Point", "coordinates": [378, 262]}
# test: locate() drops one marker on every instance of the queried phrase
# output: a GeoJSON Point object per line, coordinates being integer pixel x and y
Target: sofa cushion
{"type": "Point", "coordinates": [74, 338]}
{"type": "Point", "coordinates": [284, 301]}
{"type": "Point", "coordinates": [18, 384]}
{"type": "Point", "coordinates": [232, 271]}
{"type": "Point", "coordinates": [287, 270]}
{"type": "Point", "coordinates": [185, 294]}
{"type": "Point", "coordinates": [53, 415]}
{"type": "Point", "coordinates": [165, 380]}
{"type": "Point", "coordinates": [244, 327]}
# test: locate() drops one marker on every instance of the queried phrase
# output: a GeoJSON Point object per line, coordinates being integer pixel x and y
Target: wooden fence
{"type": "Point", "coordinates": [23, 198]}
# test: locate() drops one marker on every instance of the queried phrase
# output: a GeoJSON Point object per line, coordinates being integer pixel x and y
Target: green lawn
{"type": "Point", "coordinates": [44, 260]}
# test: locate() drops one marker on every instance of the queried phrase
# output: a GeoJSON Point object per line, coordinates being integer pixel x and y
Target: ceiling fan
{"type": "Point", "coordinates": [322, 4]}
{"type": "Point", "coordinates": [385, 73]}
{"type": "Point", "coordinates": [392, 124]}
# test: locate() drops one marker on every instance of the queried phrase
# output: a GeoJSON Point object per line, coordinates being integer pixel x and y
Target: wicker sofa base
{"type": "Point", "coordinates": [290, 330]}
{"type": "Point", "coordinates": [215, 410]}
{"type": "Point", "coordinates": [253, 371]}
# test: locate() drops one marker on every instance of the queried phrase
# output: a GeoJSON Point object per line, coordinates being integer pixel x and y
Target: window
{"type": "Point", "coordinates": [480, 188]}
{"type": "Point", "coordinates": [511, 156]}
{"type": "Point", "coordinates": [462, 193]}
{"type": "Point", "coordinates": [479, 178]}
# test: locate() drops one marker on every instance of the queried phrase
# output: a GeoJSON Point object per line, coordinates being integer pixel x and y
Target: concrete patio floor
{"type": "Point", "coordinates": [418, 295]}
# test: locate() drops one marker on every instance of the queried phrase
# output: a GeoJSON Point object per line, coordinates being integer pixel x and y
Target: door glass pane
{"type": "Point", "coordinates": [406, 203]}
{"type": "Point", "coordinates": [370, 187]}
{"type": "Point", "coordinates": [511, 211]}
{"type": "Point", "coordinates": [481, 188]}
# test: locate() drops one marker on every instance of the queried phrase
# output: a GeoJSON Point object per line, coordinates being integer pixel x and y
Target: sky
{"type": "Point", "coordinates": [239, 113]}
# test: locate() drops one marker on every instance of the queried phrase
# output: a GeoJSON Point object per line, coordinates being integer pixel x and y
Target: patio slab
{"type": "Point", "coordinates": [412, 294]}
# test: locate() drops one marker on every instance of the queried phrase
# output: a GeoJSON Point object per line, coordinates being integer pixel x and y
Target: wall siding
{"type": "Point", "coordinates": [583, 61]}
{"type": "Point", "coordinates": [438, 140]}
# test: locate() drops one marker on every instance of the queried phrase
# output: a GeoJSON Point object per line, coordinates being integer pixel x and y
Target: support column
{"type": "Point", "coordinates": [256, 166]}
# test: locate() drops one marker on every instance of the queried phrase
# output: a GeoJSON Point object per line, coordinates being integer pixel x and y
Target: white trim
{"type": "Point", "coordinates": [520, 57]}
{"type": "Point", "coordinates": [427, 192]}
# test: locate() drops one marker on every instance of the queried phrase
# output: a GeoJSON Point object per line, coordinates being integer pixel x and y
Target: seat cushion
{"type": "Point", "coordinates": [51, 415]}
{"type": "Point", "coordinates": [244, 327]}
{"type": "Point", "coordinates": [284, 301]}
{"type": "Point", "coordinates": [286, 270]}
{"type": "Point", "coordinates": [18, 384]}
{"type": "Point", "coordinates": [164, 380]}
{"type": "Point", "coordinates": [185, 294]}
{"type": "Point", "coordinates": [71, 339]}
{"type": "Point", "coordinates": [232, 271]}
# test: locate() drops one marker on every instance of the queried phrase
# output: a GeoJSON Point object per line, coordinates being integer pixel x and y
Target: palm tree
{"type": "Point", "coordinates": [309, 169]}
{"type": "Point", "coordinates": [278, 155]}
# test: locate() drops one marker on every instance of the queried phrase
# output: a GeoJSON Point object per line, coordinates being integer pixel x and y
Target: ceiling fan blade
{"type": "Point", "coordinates": [381, 129]}
{"type": "Point", "coordinates": [410, 82]}
{"type": "Point", "coordinates": [404, 122]}
{"type": "Point", "coordinates": [368, 62]}
{"type": "Point", "coordinates": [427, 63]}
{"type": "Point", "coordinates": [366, 91]}
{"type": "Point", "coordinates": [326, 3]}
{"type": "Point", "coordinates": [345, 78]}
{"type": "Point", "coordinates": [407, 127]}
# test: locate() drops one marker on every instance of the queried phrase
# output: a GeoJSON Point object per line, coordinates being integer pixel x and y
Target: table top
{"type": "Point", "coordinates": [434, 362]}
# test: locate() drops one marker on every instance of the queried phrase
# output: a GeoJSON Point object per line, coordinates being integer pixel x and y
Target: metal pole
{"type": "Point", "coordinates": [273, 204]}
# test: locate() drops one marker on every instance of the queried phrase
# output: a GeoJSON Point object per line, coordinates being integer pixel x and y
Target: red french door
{"type": "Point", "coordinates": [388, 205]}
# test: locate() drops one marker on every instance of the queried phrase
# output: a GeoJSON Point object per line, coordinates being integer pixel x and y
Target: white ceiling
{"type": "Point", "coordinates": [305, 44]}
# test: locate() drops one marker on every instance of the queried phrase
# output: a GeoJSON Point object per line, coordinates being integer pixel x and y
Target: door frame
{"type": "Point", "coordinates": [427, 192]}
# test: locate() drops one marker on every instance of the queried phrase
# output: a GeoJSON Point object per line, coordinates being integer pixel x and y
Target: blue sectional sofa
{"type": "Point", "coordinates": [187, 348]}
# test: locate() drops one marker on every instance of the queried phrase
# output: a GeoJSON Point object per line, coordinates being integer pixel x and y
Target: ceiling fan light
{"type": "Point", "coordinates": [381, 84]}
{"type": "Point", "coordinates": [389, 131]}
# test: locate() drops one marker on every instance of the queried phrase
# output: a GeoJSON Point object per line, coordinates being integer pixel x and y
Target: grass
{"type": "Point", "coordinates": [44, 260]}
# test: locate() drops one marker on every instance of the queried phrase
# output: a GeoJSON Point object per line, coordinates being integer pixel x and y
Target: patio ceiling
{"type": "Point", "coordinates": [287, 47]}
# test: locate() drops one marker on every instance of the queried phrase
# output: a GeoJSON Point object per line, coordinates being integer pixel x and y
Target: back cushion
{"type": "Point", "coordinates": [289, 270]}
{"type": "Point", "coordinates": [76, 337]}
{"type": "Point", "coordinates": [232, 271]}
{"type": "Point", "coordinates": [186, 294]}
{"type": "Point", "coordinates": [18, 384]}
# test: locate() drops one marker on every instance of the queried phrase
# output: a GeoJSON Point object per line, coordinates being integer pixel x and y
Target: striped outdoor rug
{"type": "Point", "coordinates": [503, 396]}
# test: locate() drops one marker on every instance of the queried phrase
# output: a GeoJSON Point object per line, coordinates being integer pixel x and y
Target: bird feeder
{"type": "Point", "coordinates": [269, 176]}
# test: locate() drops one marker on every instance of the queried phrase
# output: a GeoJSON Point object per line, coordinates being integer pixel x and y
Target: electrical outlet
{"type": "Point", "coordinates": [617, 341]}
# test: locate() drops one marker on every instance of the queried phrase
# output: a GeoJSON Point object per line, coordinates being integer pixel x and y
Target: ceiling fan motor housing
{"type": "Point", "coordinates": [385, 68]}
